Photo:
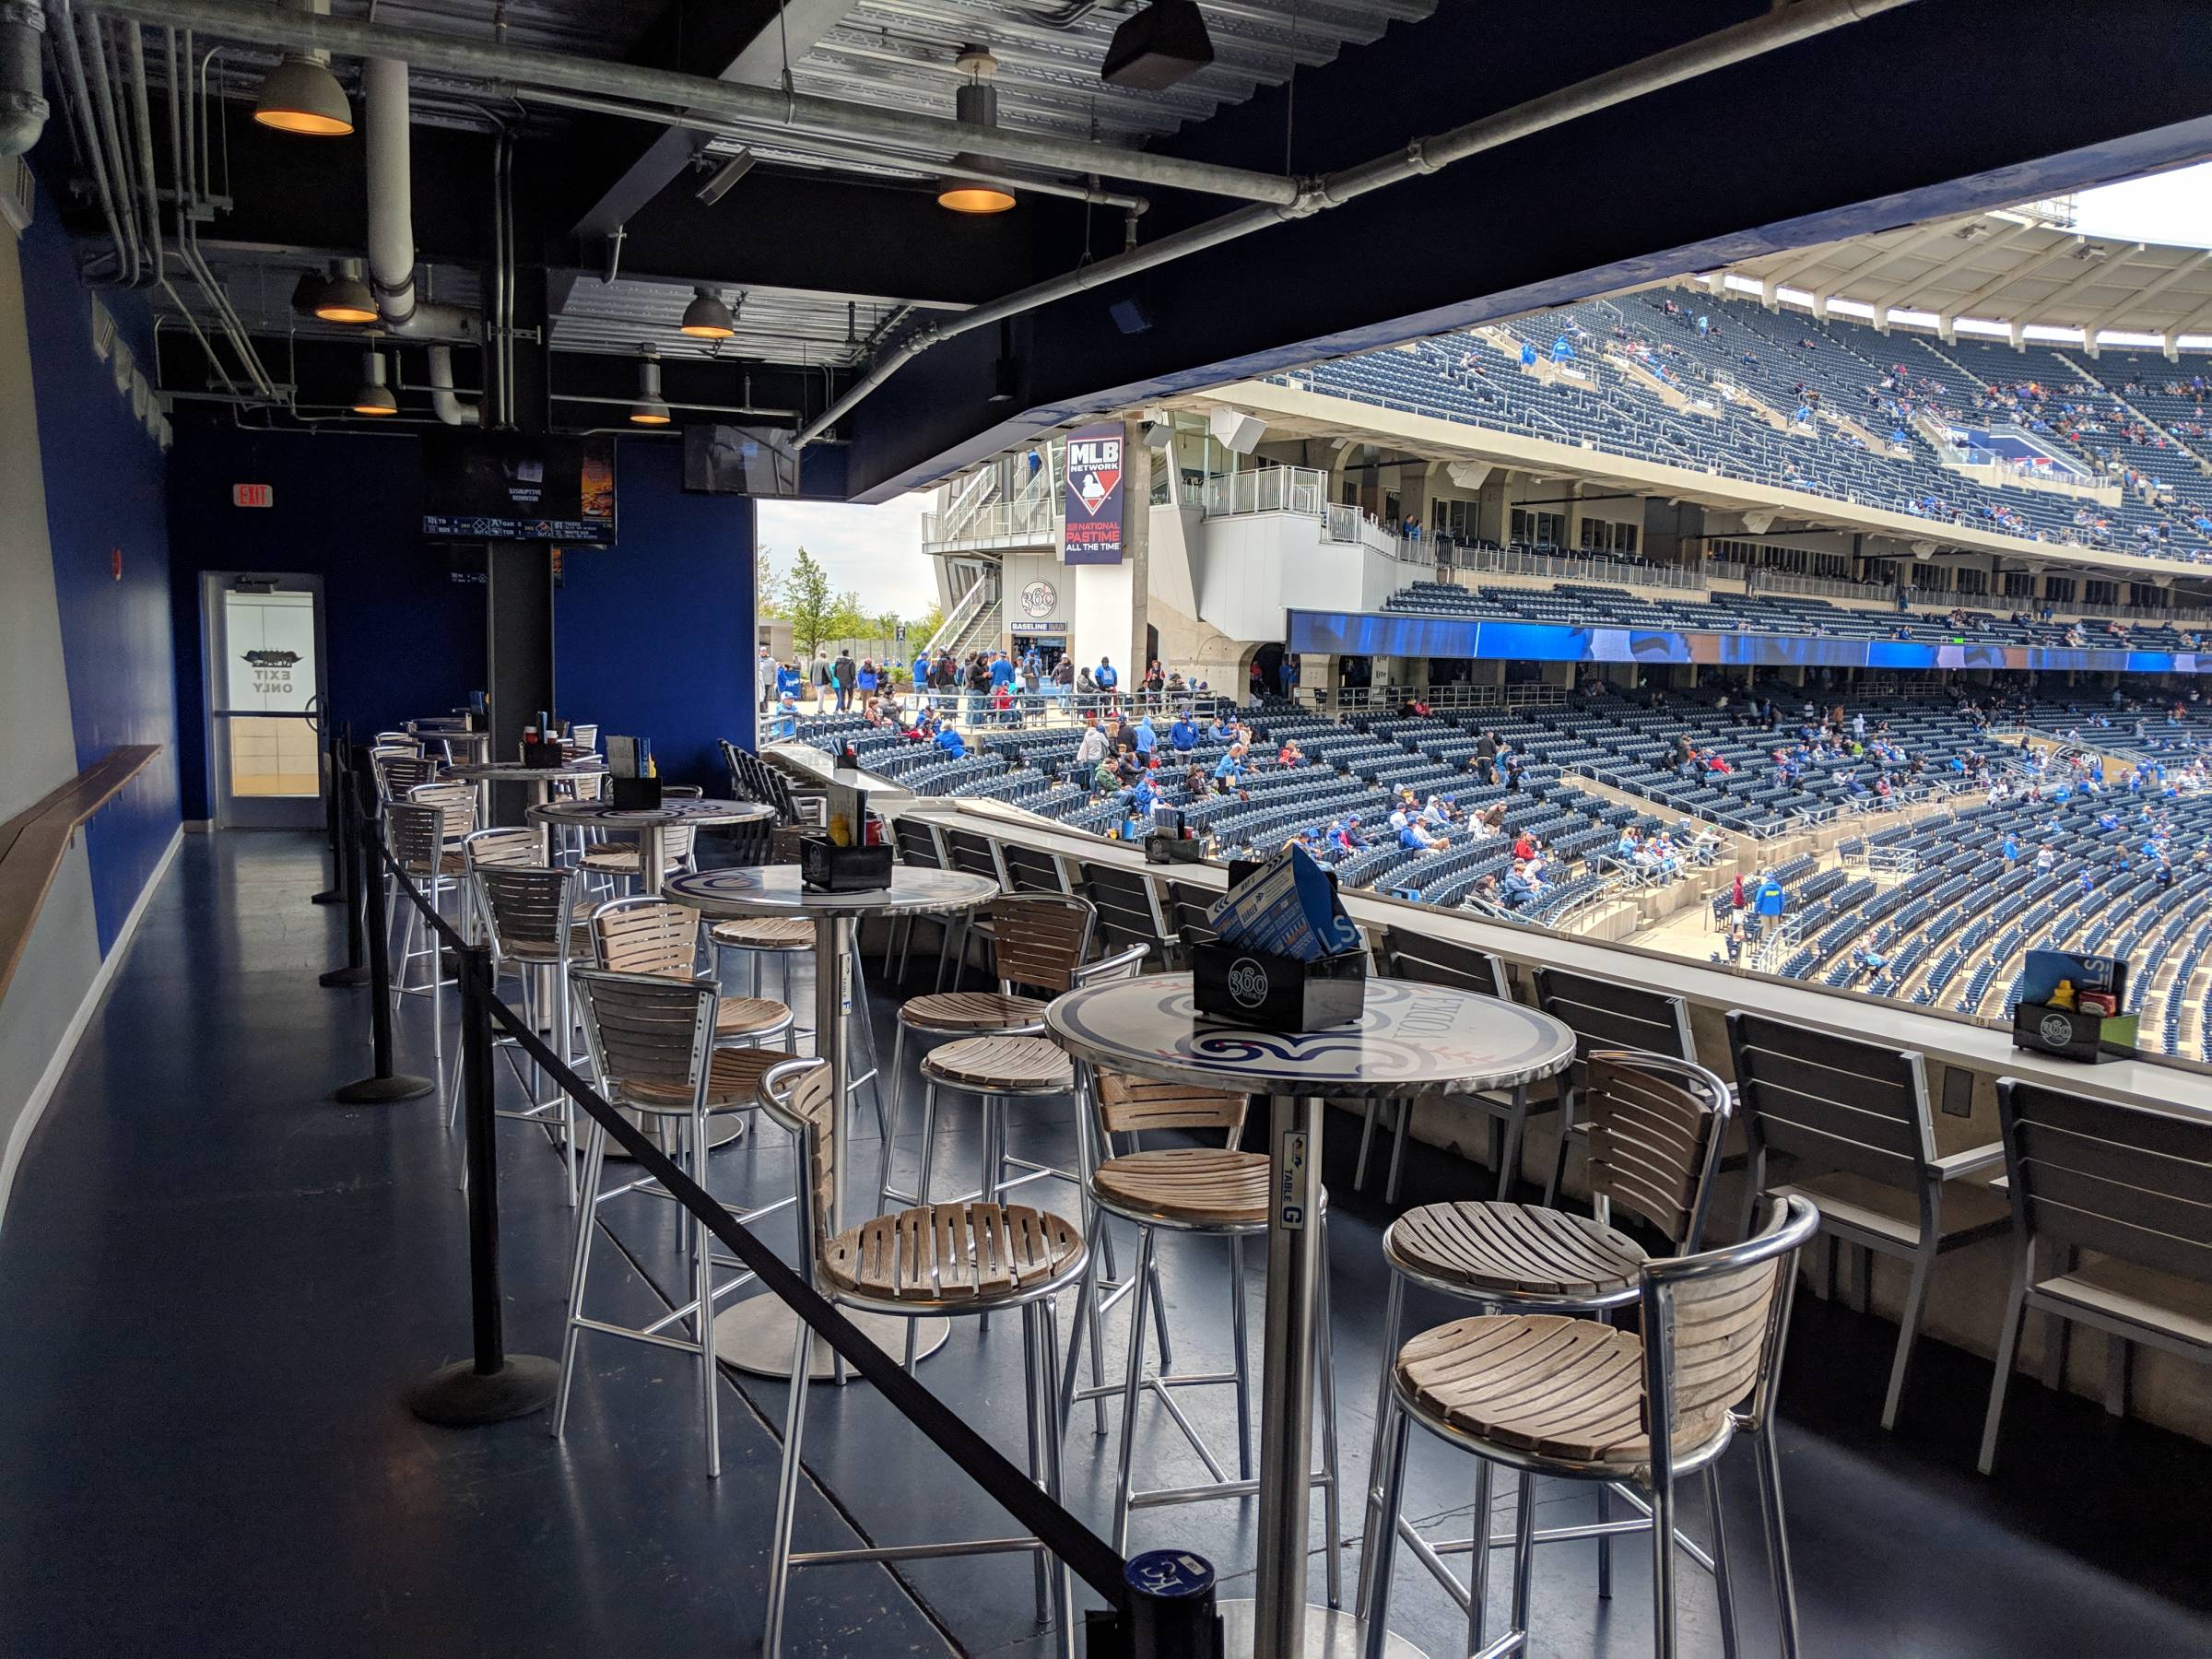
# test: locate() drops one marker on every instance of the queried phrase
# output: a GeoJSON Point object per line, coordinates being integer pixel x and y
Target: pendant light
{"type": "Point", "coordinates": [346, 298]}
{"type": "Point", "coordinates": [648, 410]}
{"type": "Point", "coordinates": [374, 397]}
{"type": "Point", "coordinates": [707, 318]}
{"type": "Point", "coordinates": [976, 104]}
{"type": "Point", "coordinates": [300, 95]}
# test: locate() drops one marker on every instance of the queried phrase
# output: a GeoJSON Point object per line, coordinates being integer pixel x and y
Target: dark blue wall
{"type": "Point", "coordinates": [654, 638]}
{"type": "Point", "coordinates": [104, 494]}
{"type": "Point", "coordinates": [405, 640]}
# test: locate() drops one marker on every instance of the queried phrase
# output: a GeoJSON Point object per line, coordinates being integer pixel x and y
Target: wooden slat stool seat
{"type": "Point", "coordinates": [1001, 1065]}
{"type": "Point", "coordinates": [749, 1016]}
{"type": "Point", "coordinates": [782, 939]}
{"type": "Point", "coordinates": [1514, 1252]}
{"type": "Point", "coordinates": [1191, 1185]}
{"type": "Point", "coordinates": [1573, 1399]}
{"type": "Point", "coordinates": [1656, 1127]}
{"type": "Point", "coordinates": [948, 1252]}
{"type": "Point", "coordinates": [936, 1261]}
{"type": "Point", "coordinates": [1545, 1384]}
{"type": "Point", "coordinates": [1195, 1191]}
{"type": "Point", "coordinates": [957, 1013]}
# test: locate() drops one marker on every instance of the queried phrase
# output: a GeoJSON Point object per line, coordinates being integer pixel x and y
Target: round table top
{"type": "Point", "coordinates": [516, 771]}
{"type": "Point", "coordinates": [1412, 1039]}
{"type": "Point", "coordinates": [775, 890]}
{"type": "Point", "coordinates": [444, 725]}
{"type": "Point", "coordinates": [676, 809]}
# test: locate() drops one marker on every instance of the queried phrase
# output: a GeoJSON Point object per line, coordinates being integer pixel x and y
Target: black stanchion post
{"type": "Point", "coordinates": [492, 1386]}
{"type": "Point", "coordinates": [384, 1086]}
{"type": "Point", "coordinates": [356, 972]}
{"type": "Point", "coordinates": [1171, 1612]}
{"type": "Point", "coordinates": [332, 817]}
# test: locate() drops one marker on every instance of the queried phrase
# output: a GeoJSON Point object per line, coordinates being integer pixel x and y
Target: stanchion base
{"type": "Point", "coordinates": [1328, 1635]}
{"type": "Point", "coordinates": [460, 1396]}
{"type": "Point", "coordinates": [327, 896]}
{"type": "Point", "coordinates": [382, 1091]}
{"type": "Point", "coordinates": [343, 979]}
{"type": "Point", "coordinates": [756, 1336]}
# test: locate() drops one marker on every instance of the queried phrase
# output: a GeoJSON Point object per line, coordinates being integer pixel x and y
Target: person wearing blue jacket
{"type": "Point", "coordinates": [1183, 734]}
{"type": "Point", "coordinates": [949, 738]}
{"type": "Point", "coordinates": [1768, 901]}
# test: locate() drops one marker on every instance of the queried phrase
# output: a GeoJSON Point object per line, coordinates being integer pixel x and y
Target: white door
{"type": "Point", "coordinates": [265, 698]}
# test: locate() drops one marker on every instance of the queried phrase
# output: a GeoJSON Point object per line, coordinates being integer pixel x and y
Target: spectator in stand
{"type": "Point", "coordinates": [1768, 903]}
{"type": "Point", "coordinates": [1347, 835]}
{"type": "Point", "coordinates": [1225, 727]}
{"type": "Point", "coordinates": [765, 674]}
{"type": "Point", "coordinates": [1144, 738]}
{"type": "Point", "coordinates": [843, 674]}
{"type": "Point", "coordinates": [949, 738]}
{"type": "Point", "coordinates": [1182, 737]}
{"type": "Point", "coordinates": [1512, 771]}
{"type": "Point", "coordinates": [1256, 687]}
{"type": "Point", "coordinates": [1105, 676]}
{"type": "Point", "coordinates": [1091, 747]}
{"type": "Point", "coordinates": [1289, 754]}
{"type": "Point", "coordinates": [1228, 772]}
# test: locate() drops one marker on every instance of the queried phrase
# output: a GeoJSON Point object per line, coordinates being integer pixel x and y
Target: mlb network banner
{"type": "Point", "coordinates": [1333, 633]}
{"type": "Point", "coordinates": [1094, 495]}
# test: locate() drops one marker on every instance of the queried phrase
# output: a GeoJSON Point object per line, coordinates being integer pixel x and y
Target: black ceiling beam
{"type": "Point", "coordinates": [743, 41]}
{"type": "Point", "coordinates": [828, 234]}
{"type": "Point", "coordinates": [1941, 108]}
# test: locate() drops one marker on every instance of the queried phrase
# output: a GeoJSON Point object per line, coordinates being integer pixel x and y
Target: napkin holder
{"type": "Point", "coordinates": [542, 755]}
{"type": "Point", "coordinates": [829, 868]}
{"type": "Point", "coordinates": [1257, 990]}
{"type": "Point", "coordinates": [2044, 1024]}
{"type": "Point", "coordinates": [635, 795]}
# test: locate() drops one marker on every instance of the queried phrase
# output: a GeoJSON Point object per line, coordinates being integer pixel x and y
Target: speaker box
{"type": "Point", "coordinates": [1130, 315]}
{"type": "Point", "coordinates": [1164, 43]}
{"type": "Point", "coordinates": [1236, 432]}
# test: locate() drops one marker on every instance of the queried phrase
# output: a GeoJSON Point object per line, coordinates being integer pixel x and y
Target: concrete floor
{"type": "Point", "coordinates": [217, 1286]}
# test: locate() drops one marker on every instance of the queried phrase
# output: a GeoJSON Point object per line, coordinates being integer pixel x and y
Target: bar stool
{"type": "Point", "coordinates": [760, 937]}
{"type": "Point", "coordinates": [651, 1042]}
{"type": "Point", "coordinates": [1200, 1192]}
{"type": "Point", "coordinates": [1655, 1129]}
{"type": "Point", "coordinates": [609, 862]}
{"type": "Point", "coordinates": [525, 913]}
{"type": "Point", "coordinates": [1041, 943]}
{"type": "Point", "coordinates": [946, 1260]}
{"type": "Point", "coordinates": [644, 934]}
{"type": "Point", "coordinates": [1575, 1399]}
{"type": "Point", "coordinates": [425, 839]}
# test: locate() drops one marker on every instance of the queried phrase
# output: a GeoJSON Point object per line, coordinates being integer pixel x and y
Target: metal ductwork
{"type": "Point", "coordinates": [22, 105]}
{"type": "Point", "coordinates": [392, 210]}
{"type": "Point", "coordinates": [448, 407]}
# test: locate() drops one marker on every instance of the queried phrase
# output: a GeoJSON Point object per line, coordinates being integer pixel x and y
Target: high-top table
{"type": "Point", "coordinates": [485, 773]}
{"type": "Point", "coordinates": [649, 824]}
{"type": "Point", "coordinates": [1412, 1040]}
{"type": "Point", "coordinates": [755, 1334]}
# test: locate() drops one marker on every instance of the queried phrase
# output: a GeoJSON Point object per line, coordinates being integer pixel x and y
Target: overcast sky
{"type": "Point", "coordinates": [2174, 207]}
{"type": "Point", "coordinates": [878, 550]}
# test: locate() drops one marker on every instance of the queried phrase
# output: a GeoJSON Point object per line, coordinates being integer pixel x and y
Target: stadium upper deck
{"type": "Point", "coordinates": [1903, 422]}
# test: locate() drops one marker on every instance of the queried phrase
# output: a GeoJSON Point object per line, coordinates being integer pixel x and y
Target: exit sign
{"type": "Point", "coordinates": [253, 495]}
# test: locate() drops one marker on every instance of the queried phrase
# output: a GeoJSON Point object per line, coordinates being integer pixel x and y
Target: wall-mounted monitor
{"type": "Point", "coordinates": [506, 487]}
{"type": "Point", "coordinates": [734, 460]}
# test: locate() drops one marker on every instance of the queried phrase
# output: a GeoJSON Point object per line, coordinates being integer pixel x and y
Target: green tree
{"type": "Point", "coordinates": [922, 628]}
{"type": "Point", "coordinates": [767, 587]}
{"type": "Point", "coordinates": [848, 619]}
{"type": "Point", "coordinates": [808, 604]}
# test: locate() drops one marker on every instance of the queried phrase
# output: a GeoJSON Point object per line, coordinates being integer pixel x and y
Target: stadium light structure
{"type": "Point", "coordinates": [707, 317]}
{"type": "Point", "coordinates": [345, 297]}
{"type": "Point", "coordinates": [300, 95]}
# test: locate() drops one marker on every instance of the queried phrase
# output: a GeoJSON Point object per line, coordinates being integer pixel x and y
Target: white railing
{"type": "Point", "coordinates": [1568, 566]}
{"type": "Point", "coordinates": [1388, 700]}
{"type": "Point", "coordinates": [1029, 519]}
{"type": "Point", "coordinates": [962, 612]}
{"type": "Point", "coordinates": [1303, 489]}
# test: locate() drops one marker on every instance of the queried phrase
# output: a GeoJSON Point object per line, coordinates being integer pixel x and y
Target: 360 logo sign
{"type": "Point", "coordinates": [1247, 983]}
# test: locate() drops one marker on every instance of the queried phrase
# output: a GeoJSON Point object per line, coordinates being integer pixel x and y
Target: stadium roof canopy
{"type": "Point", "coordinates": [2020, 272]}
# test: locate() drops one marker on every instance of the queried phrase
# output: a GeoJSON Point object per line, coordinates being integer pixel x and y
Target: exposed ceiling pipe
{"type": "Point", "coordinates": [392, 210]}
{"type": "Point", "coordinates": [22, 106]}
{"type": "Point", "coordinates": [691, 121]}
{"type": "Point", "coordinates": [1769, 32]}
{"type": "Point", "coordinates": [761, 106]}
{"type": "Point", "coordinates": [448, 407]}
{"type": "Point", "coordinates": [76, 98]}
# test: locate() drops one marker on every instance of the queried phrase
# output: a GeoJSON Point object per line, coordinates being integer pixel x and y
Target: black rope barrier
{"type": "Point", "coordinates": [333, 814]}
{"type": "Point", "coordinates": [1097, 1563]}
{"type": "Point", "coordinates": [383, 1086]}
{"type": "Point", "coordinates": [356, 972]}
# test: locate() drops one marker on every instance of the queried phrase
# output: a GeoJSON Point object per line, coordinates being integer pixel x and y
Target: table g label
{"type": "Point", "coordinates": [1290, 1184]}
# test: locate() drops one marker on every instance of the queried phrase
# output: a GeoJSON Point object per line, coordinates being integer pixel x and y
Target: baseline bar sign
{"type": "Point", "coordinates": [1095, 497]}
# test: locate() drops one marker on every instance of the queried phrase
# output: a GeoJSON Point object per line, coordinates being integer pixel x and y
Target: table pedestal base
{"type": "Point", "coordinates": [756, 1336]}
{"type": "Point", "coordinates": [1328, 1635]}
